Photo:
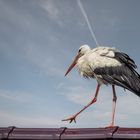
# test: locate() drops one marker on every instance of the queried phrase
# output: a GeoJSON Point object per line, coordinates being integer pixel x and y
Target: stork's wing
{"type": "Point", "coordinates": [120, 56]}
{"type": "Point", "coordinates": [124, 58]}
{"type": "Point", "coordinates": [114, 53]}
{"type": "Point", "coordinates": [124, 75]}
{"type": "Point", "coordinates": [105, 51]}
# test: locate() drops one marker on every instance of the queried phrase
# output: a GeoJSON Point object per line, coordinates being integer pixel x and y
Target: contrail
{"type": "Point", "coordinates": [87, 21]}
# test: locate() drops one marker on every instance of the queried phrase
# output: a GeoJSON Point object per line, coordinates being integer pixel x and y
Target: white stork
{"type": "Point", "coordinates": [108, 66]}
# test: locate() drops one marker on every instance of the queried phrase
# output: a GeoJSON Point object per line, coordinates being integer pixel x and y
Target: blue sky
{"type": "Point", "coordinates": [38, 40]}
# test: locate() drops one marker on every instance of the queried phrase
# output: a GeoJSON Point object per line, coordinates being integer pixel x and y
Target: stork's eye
{"type": "Point", "coordinates": [79, 50]}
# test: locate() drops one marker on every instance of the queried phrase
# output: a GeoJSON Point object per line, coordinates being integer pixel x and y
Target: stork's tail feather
{"type": "Point", "coordinates": [134, 84]}
{"type": "Point", "coordinates": [131, 76]}
{"type": "Point", "coordinates": [130, 81]}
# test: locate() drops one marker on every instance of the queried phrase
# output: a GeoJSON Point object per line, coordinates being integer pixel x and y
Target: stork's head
{"type": "Point", "coordinates": [81, 51]}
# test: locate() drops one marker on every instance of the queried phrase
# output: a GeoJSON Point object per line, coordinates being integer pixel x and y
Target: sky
{"type": "Point", "coordinates": [38, 41]}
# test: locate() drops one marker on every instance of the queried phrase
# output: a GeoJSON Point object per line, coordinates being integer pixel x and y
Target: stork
{"type": "Point", "coordinates": [108, 66]}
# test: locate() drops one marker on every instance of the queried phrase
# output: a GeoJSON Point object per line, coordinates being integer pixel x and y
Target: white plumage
{"type": "Point", "coordinates": [95, 58]}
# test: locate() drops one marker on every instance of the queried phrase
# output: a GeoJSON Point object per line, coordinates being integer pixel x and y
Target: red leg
{"type": "Point", "coordinates": [73, 118]}
{"type": "Point", "coordinates": [114, 106]}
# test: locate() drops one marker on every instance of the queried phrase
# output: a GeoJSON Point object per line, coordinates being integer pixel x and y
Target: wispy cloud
{"type": "Point", "coordinates": [77, 95]}
{"type": "Point", "coordinates": [52, 11]}
{"type": "Point", "coordinates": [17, 96]}
{"type": "Point", "coordinates": [8, 119]}
{"type": "Point", "coordinates": [82, 95]}
{"type": "Point", "coordinates": [50, 7]}
{"type": "Point", "coordinates": [44, 61]}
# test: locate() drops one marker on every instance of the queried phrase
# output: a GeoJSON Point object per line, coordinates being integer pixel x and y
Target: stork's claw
{"type": "Point", "coordinates": [71, 119]}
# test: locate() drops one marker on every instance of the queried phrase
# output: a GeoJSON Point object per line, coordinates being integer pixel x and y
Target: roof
{"type": "Point", "coordinates": [69, 133]}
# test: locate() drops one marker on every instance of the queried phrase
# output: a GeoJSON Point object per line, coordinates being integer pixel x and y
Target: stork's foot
{"type": "Point", "coordinates": [110, 125]}
{"type": "Point", "coordinates": [70, 119]}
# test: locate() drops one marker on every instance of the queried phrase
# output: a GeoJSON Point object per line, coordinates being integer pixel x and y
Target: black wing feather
{"type": "Point", "coordinates": [124, 75]}
{"type": "Point", "coordinates": [124, 58]}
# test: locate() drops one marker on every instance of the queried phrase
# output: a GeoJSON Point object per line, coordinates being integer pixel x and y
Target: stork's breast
{"type": "Point", "coordinates": [85, 69]}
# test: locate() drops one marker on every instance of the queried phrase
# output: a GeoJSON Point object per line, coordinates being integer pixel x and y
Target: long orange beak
{"type": "Point", "coordinates": [73, 64]}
